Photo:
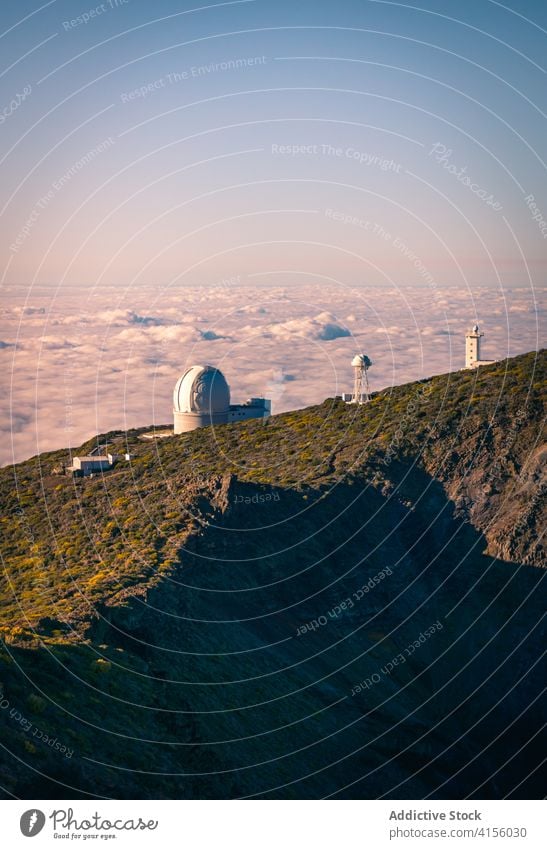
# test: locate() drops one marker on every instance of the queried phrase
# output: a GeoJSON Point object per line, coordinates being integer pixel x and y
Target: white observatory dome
{"type": "Point", "coordinates": [202, 390]}
{"type": "Point", "coordinates": [361, 360]}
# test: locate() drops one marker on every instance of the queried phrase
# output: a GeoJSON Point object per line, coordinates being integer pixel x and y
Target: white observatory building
{"type": "Point", "coordinates": [361, 392]}
{"type": "Point", "coordinates": [202, 397]}
{"type": "Point", "coordinates": [472, 349]}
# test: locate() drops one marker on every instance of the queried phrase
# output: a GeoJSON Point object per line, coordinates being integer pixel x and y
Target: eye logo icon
{"type": "Point", "coordinates": [32, 822]}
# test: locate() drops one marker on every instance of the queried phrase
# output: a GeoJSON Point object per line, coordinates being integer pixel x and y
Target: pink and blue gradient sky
{"type": "Point", "coordinates": [318, 148]}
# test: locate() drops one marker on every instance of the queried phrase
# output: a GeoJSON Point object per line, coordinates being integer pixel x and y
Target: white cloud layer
{"type": "Point", "coordinates": [80, 362]}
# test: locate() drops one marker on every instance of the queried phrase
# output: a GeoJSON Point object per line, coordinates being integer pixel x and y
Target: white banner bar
{"type": "Point", "coordinates": [274, 824]}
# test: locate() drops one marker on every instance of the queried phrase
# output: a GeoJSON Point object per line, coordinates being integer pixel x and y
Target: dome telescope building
{"type": "Point", "coordinates": [202, 397]}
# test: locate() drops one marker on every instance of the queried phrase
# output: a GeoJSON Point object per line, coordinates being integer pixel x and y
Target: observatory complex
{"type": "Point", "coordinates": [202, 397]}
{"type": "Point", "coordinates": [472, 349]}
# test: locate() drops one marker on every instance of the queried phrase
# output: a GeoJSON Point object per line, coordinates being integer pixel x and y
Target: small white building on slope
{"type": "Point", "coordinates": [90, 464]}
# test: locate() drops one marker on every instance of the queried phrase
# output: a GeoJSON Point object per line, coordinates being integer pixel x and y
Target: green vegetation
{"type": "Point", "coordinates": [127, 599]}
{"type": "Point", "coordinates": [69, 544]}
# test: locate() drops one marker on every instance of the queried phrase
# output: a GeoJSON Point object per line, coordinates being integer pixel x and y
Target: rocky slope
{"type": "Point", "coordinates": [343, 601]}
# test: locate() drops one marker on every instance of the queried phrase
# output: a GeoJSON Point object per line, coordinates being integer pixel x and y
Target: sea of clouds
{"type": "Point", "coordinates": [80, 361]}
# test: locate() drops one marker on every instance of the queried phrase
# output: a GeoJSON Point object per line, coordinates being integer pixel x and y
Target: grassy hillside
{"type": "Point", "coordinates": [69, 543]}
{"type": "Point", "coordinates": [157, 621]}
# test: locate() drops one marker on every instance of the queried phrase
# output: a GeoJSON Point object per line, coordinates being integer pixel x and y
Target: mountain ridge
{"type": "Point", "coordinates": [157, 612]}
{"type": "Point", "coordinates": [488, 462]}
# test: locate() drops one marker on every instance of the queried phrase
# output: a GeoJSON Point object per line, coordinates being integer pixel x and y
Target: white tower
{"type": "Point", "coordinates": [472, 347]}
{"type": "Point", "coordinates": [361, 364]}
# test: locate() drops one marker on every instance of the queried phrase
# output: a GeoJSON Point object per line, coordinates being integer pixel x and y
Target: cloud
{"type": "Point", "coordinates": [116, 367]}
{"type": "Point", "coordinates": [146, 320]}
{"type": "Point", "coordinates": [56, 343]}
{"type": "Point", "coordinates": [121, 318]}
{"type": "Point", "coordinates": [253, 310]}
{"type": "Point", "coordinates": [392, 330]}
{"type": "Point", "coordinates": [147, 333]}
{"type": "Point", "coordinates": [322, 327]}
{"type": "Point", "coordinates": [210, 335]}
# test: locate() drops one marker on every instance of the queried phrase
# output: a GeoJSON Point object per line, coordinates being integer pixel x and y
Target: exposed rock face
{"type": "Point", "coordinates": [498, 484]}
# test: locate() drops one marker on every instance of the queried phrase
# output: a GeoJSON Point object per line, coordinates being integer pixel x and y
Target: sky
{"type": "Point", "coordinates": [182, 163]}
